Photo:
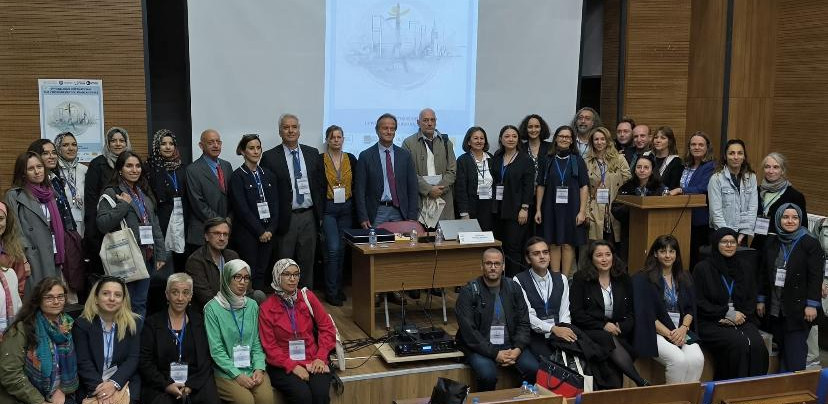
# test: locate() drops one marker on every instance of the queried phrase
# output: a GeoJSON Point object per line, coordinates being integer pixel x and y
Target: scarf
{"type": "Point", "coordinates": [45, 194]}
{"type": "Point", "coordinates": [107, 152]}
{"type": "Point", "coordinates": [279, 267]}
{"type": "Point", "coordinates": [39, 363]}
{"type": "Point", "coordinates": [173, 162]}
{"type": "Point", "coordinates": [785, 237]}
{"type": "Point", "coordinates": [225, 297]}
{"type": "Point", "coordinates": [772, 187]}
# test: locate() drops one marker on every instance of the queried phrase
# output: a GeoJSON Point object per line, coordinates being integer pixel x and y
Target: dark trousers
{"type": "Point", "coordinates": [297, 391]}
{"type": "Point", "coordinates": [510, 233]}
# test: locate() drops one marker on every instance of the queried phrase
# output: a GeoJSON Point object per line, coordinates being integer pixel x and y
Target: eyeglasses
{"type": "Point", "coordinates": [490, 264]}
{"type": "Point", "coordinates": [728, 242]}
{"type": "Point", "coordinates": [54, 299]}
{"type": "Point", "coordinates": [239, 278]}
{"type": "Point", "coordinates": [290, 276]}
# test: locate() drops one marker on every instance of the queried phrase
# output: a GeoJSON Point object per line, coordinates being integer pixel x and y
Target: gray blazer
{"type": "Point", "coordinates": [36, 235]}
{"type": "Point", "coordinates": [109, 219]}
{"type": "Point", "coordinates": [206, 199]}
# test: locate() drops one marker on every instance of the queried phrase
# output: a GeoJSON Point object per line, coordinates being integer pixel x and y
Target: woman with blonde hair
{"type": "Point", "coordinates": [107, 342]}
{"type": "Point", "coordinates": [608, 170]}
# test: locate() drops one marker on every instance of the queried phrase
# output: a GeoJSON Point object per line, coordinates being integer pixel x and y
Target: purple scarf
{"type": "Point", "coordinates": [44, 194]}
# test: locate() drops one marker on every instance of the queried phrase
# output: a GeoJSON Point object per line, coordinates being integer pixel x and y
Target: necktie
{"type": "Point", "coordinates": [220, 175]}
{"type": "Point", "coordinates": [392, 183]}
{"type": "Point", "coordinates": [297, 173]}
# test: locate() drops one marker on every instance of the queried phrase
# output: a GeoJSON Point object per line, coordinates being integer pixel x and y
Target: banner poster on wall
{"type": "Point", "coordinates": [73, 105]}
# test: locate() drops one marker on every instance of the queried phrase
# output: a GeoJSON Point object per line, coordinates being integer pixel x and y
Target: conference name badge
{"type": "Point", "coordinates": [241, 356]}
{"type": "Point", "coordinates": [497, 335]}
{"type": "Point", "coordinates": [296, 350]}
{"type": "Point", "coordinates": [178, 372]}
{"type": "Point", "coordinates": [264, 210]}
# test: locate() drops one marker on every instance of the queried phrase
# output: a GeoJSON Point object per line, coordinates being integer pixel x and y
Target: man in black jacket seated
{"type": "Point", "coordinates": [493, 324]}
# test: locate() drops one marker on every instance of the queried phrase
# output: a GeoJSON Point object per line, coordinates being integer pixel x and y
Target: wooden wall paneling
{"type": "Point", "coordinates": [706, 69]}
{"type": "Point", "coordinates": [609, 74]}
{"type": "Point", "coordinates": [94, 39]}
{"type": "Point", "coordinates": [658, 49]}
{"type": "Point", "coordinates": [800, 90]}
{"type": "Point", "coordinates": [751, 75]}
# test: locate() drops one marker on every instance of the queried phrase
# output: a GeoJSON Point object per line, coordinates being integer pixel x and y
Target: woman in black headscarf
{"type": "Point", "coordinates": [790, 285]}
{"type": "Point", "coordinates": [726, 302]}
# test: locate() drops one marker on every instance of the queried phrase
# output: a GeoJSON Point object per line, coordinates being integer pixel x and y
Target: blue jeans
{"type": "Point", "coordinates": [338, 217]}
{"type": "Point", "coordinates": [485, 369]}
{"type": "Point", "coordinates": [138, 291]}
{"type": "Point", "coordinates": [386, 214]}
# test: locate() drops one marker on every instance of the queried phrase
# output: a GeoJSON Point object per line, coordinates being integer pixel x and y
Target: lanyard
{"type": "Point", "coordinates": [179, 338]}
{"type": "Point", "coordinates": [337, 170]}
{"type": "Point", "coordinates": [291, 312]}
{"type": "Point", "coordinates": [729, 287]}
{"type": "Point", "coordinates": [505, 166]}
{"type": "Point", "coordinates": [562, 174]}
{"type": "Point", "coordinates": [238, 327]}
{"type": "Point", "coordinates": [787, 253]}
{"type": "Point", "coordinates": [174, 180]}
{"type": "Point", "coordinates": [109, 345]}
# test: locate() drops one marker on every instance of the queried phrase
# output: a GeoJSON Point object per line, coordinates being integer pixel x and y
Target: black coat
{"type": "Point", "coordinates": [161, 184]}
{"type": "Point", "coordinates": [803, 280]}
{"type": "Point", "coordinates": [158, 350]}
{"type": "Point", "coordinates": [89, 346]}
{"type": "Point", "coordinates": [519, 184]}
{"type": "Point", "coordinates": [650, 306]}
{"type": "Point", "coordinates": [465, 186]}
{"type": "Point", "coordinates": [97, 177]}
{"type": "Point", "coordinates": [275, 161]}
{"type": "Point", "coordinates": [586, 305]}
{"type": "Point", "coordinates": [475, 311]}
{"type": "Point", "coordinates": [791, 195]}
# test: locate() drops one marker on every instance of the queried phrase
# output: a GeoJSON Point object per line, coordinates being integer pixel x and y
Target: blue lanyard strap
{"type": "Point", "coordinates": [238, 327]}
{"type": "Point", "coordinates": [174, 179]}
{"type": "Point", "coordinates": [562, 174]}
{"type": "Point", "coordinates": [729, 287]}
{"type": "Point", "coordinates": [179, 338]}
{"type": "Point", "coordinates": [787, 253]}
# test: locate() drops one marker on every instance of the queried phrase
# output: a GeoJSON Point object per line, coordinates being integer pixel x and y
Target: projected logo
{"type": "Point", "coordinates": [401, 45]}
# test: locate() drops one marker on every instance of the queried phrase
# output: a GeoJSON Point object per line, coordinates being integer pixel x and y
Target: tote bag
{"type": "Point", "coordinates": [120, 253]}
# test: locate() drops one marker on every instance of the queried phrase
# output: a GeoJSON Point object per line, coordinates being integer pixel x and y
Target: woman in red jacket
{"type": "Point", "coordinates": [297, 362]}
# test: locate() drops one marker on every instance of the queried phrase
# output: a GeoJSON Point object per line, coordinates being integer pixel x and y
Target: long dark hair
{"type": "Point", "coordinates": [588, 272]}
{"type": "Point", "coordinates": [26, 315]}
{"type": "Point", "coordinates": [653, 268]}
{"type": "Point", "coordinates": [142, 182]}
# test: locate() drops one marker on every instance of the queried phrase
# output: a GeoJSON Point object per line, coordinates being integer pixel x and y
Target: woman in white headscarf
{"type": "Point", "coordinates": [297, 360]}
{"type": "Point", "coordinates": [231, 320]}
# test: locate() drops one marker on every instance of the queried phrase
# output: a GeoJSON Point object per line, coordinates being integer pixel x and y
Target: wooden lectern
{"type": "Point", "coordinates": [652, 216]}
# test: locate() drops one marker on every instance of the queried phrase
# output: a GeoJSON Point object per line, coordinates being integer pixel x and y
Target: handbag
{"type": "Point", "coordinates": [561, 378]}
{"type": "Point", "coordinates": [448, 391]}
{"type": "Point", "coordinates": [120, 253]}
{"type": "Point", "coordinates": [340, 350]}
{"type": "Point", "coordinates": [120, 397]}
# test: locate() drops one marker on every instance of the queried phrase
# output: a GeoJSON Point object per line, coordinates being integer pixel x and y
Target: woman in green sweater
{"type": "Point", "coordinates": [232, 322]}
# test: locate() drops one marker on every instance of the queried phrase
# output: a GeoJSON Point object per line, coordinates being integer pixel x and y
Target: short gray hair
{"type": "Point", "coordinates": [180, 277]}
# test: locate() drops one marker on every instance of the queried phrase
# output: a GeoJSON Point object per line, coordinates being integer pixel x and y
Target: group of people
{"type": "Point", "coordinates": [559, 187]}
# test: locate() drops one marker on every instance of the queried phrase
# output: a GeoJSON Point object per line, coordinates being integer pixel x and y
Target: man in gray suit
{"type": "Point", "coordinates": [208, 180]}
{"type": "Point", "coordinates": [433, 155]}
{"type": "Point", "coordinates": [386, 182]}
{"type": "Point", "coordinates": [299, 170]}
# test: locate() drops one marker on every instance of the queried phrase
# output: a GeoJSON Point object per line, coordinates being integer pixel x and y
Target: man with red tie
{"type": "Point", "coordinates": [208, 179]}
{"type": "Point", "coordinates": [385, 187]}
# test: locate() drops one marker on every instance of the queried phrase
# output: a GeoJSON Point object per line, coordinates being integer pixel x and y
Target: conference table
{"type": "Point", "coordinates": [396, 266]}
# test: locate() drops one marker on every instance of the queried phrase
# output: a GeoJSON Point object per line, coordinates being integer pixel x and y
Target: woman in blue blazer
{"type": "Point", "coordinates": [255, 203]}
{"type": "Point", "coordinates": [698, 168]}
{"type": "Point", "coordinates": [107, 343]}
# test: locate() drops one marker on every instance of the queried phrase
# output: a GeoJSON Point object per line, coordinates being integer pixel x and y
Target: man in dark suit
{"type": "Point", "coordinates": [208, 180]}
{"type": "Point", "coordinates": [299, 171]}
{"type": "Point", "coordinates": [386, 181]}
